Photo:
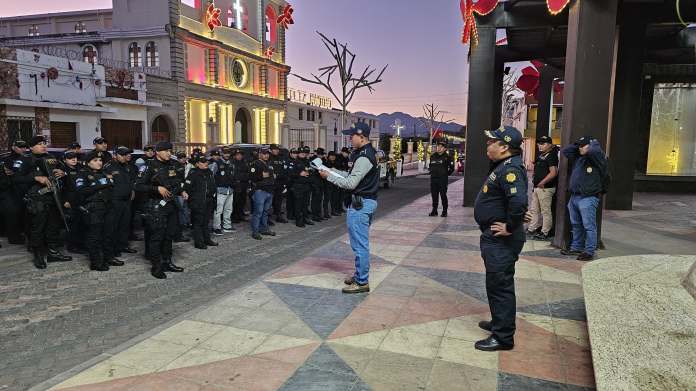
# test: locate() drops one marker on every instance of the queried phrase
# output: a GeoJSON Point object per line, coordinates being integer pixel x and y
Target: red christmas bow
{"type": "Point", "coordinates": [285, 19]}
{"type": "Point", "coordinates": [269, 52]}
{"type": "Point", "coordinates": [212, 17]}
{"type": "Point", "coordinates": [468, 8]}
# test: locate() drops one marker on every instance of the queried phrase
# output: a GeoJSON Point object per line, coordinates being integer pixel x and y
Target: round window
{"type": "Point", "coordinates": [239, 73]}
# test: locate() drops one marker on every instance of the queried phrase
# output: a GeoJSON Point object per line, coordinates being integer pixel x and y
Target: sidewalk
{"type": "Point", "coordinates": [294, 330]}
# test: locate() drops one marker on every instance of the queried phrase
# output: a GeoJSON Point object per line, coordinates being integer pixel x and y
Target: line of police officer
{"type": "Point", "coordinates": [98, 197]}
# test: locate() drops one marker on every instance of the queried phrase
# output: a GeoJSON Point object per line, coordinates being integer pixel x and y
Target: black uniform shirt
{"type": "Point", "coordinates": [123, 179]}
{"type": "Point", "coordinates": [441, 165]}
{"type": "Point", "coordinates": [503, 196]}
{"type": "Point", "coordinates": [280, 168]}
{"type": "Point", "coordinates": [542, 168]}
{"type": "Point", "coordinates": [158, 173]}
{"type": "Point", "coordinates": [93, 186]}
{"type": "Point", "coordinates": [200, 186]}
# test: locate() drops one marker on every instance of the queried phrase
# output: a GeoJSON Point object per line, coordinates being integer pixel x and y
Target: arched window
{"type": "Point", "coordinates": [151, 55]}
{"type": "Point", "coordinates": [89, 54]}
{"type": "Point", "coordinates": [271, 28]}
{"type": "Point", "coordinates": [80, 27]}
{"type": "Point", "coordinates": [135, 58]}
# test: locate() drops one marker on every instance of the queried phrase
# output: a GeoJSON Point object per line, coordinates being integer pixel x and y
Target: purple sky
{"type": "Point", "coordinates": [419, 41]}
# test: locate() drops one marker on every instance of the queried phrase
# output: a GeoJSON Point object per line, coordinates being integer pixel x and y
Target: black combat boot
{"type": "Point", "coordinates": [39, 259]}
{"type": "Point", "coordinates": [56, 256]}
{"type": "Point", "coordinates": [444, 213]}
{"type": "Point", "coordinates": [169, 266]}
{"type": "Point", "coordinates": [157, 271]}
{"type": "Point", "coordinates": [115, 262]}
{"type": "Point", "coordinates": [97, 264]}
{"type": "Point", "coordinates": [433, 213]}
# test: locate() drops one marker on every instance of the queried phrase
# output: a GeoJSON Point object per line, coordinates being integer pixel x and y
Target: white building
{"type": "Point", "coordinates": [312, 120]}
{"type": "Point", "coordinates": [69, 101]}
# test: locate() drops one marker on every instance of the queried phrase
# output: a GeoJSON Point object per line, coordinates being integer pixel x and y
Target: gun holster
{"type": "Point", "coordinates": [356, 202]}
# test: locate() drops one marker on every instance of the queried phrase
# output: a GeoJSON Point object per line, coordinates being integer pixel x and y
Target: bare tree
{"type": "Point", "coordinates": [349, 84]}
{"type": "Point", "coordinates": [433, 118]}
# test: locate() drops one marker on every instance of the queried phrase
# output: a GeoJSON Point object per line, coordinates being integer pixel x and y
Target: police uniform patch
{"type": "Point", "coordinates": [507, 139]}
{"type": "Point", "coordinates": [511, 177]}
{"type": "Point", "coordinates": [91, 178]}
{"type": "Point", "coordinates": [492, 177]}
{"type": "Point", "coordinates": [253, 169]}
{"type": "Point", "coordinates": [79, 182]}
{"type": "Point", "coordinates": [589, 170]}
{"type": "Point", "coordinates": [485, 188]}
{"type": "Point", "coordinates": [513, 190]}
{"type": "Point", "coordinates": [142, 168]}
{"type": "Point", "coordinates": [17, 164]}
{"type": "Point", "coordinates": [188, 181]}
{"type": "Point", "coordinates": [172, 172]}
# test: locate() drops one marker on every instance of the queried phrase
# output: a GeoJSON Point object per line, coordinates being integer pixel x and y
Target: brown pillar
{"type": "Point", "coordinates": [588, 71]}
{"type": "Point", "coordinates": [43, 121]}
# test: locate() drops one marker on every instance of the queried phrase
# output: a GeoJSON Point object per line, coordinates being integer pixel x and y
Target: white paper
{"type": "Point", "coordinates": [319, 165]}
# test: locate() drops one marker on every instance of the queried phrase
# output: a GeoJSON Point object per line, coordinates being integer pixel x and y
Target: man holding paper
{"type": "Point", "coordinates": [362, 182]}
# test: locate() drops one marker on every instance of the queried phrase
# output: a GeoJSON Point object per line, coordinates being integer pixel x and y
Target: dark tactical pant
{"type": "Point", "coordinates": [336, 196]}
{"type": "Point", "coordinates": [326, 198]}
{"type": "Point", "coordinates": [201, 214]}
{"type": "Point", "coordinates": [278, 198]}
{"type": "Point", "coordinates": [96, 230]}
{"type": "Point", "coordinates": [117, 227]}
{"type": "Point", "coordinates": [317, 195]}
{"type": "Point", "coordinates": [44, 229]}
{"type": "Point", "coordinates": [290, 203]}
{"type": "Point", "coordinates": [75, 239]}
{"type": "Point", "coordinates": [238, 204]}
{"type": "Point", "coordinates": [499, 256]}
{"type": "Point", "coordinates": [301, 194]}
{"type": "Point", "coordinates": [161, 227]}
{"type": "Point", "coordinates": [12, 212]}
{"type": "Point", "coordinates": [438, 189]}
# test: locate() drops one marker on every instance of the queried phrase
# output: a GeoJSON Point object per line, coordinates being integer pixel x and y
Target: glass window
{"type": "Point", "coordinates": [80, 27]}
{"type": "Point", "coordinates": [196, 64]}
{"type": "Point", "coordinates": [89, 54]}
{"type": "Point", "coordinates": [672, 147]}
{"type": "Point", "coordinates": [34, 31]}
{"type": "Point", "coordinates": [151, 54]}
{"type": "Point", "coordinates": [135, 58]}
{"type": "Point", "coordinates": [300, 113]}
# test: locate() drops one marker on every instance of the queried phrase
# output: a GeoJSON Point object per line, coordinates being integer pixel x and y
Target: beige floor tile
{"type": "Point", "coordinates": [188, 332]}
{"type": "Point", "coordinates": [466, 328]}
{"type": "Point", "coordinates": [411, 343]}
{"type": "Point", "coordinates": [526, 269]}
{"type": "Point", "coordinates": [150, 355]}
{"type": "Point", "coordinates": [104, 371]}
{"type": "Point", "coordinates": [357, 358]}
{"type": "Point", "coordinates": [198, 356]}
{"type": "Point", "coordinates": [222, 314]}
{"type": "Point", "coordinates": [280, 342]}
{"type": "Point", "coordinates": [436, 328]}
{"type": "Point", "coordinates": [368, 341]}
{"type": "Point", "coordinates": [551, 274]}
{"type": "Point", "coordinates": [463, 352]}
{"type": "Point", "coordinates": [234, 340]}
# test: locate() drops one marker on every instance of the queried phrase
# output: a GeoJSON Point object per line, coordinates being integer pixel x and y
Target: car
{"type": "Point", "coordinates": [387, 169]}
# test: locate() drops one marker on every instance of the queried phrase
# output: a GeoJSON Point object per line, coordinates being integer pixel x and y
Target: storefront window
{"type": "Point", "coordinates": [672, 148]}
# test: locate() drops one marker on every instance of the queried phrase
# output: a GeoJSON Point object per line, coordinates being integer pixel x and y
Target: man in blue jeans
{"type": "Point", "coordinates": [263, 182]}
{"type": "Point", "coordinates": [586, 186]}
{"type": "Point", "coordinates": [362, 182]}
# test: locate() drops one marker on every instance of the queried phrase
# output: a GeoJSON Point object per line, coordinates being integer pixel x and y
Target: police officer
{"type": "Point", "coordinates": [544, 181]}
{"type": "Point", "coordinates": [441, 167]}
{"type": "Point", "coordinates": [280, 168]}
{"type": "Point", "coordinates": [96, 190]}
{"type": "Point", "coordinates": [301, 188]}
{"type": "Point", "coordinates": [161, 183]}
{"type": "Point", "coordinates": [139, 200]}
{"type": "Point", "coordinates": [263, 185]}
{"type": "Point", "coordinates": [101, 149]}
{"type": "Point", "coordinates": [11, 201]}
{"type": "Point", "coordinates": [499, 211]}
{"type": "Point", "coordinates": [201, 187]}
{"type": "Point", "coordinates": [332, 197]}
{"type": "Point", "coordinates": [241, 185]}
{"type": "Point", "coordinates": [75, 237]}
{"type": "Point", "coordinates": [74, 147]}
{"type": "Point", "coordinates": [40, 173]}
{"type": "Point", "coordinates": [363, 183]}
{"type": "Point", "coordinates": [224, 180]}
{"type": "Point", "coordinates": [119, 213]}
{"type": "Point", "coordinates": [290, 197]}
{"type": "Point", "coordinates": [182, 215]}
{"type": "Point", "coordinates": [317, 188]}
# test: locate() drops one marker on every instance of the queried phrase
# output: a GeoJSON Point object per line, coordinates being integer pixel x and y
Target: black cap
{"type": "Point", "coordinates": [274, 146]}
{"type": "Point", "coordinates": [584, 140]}
{"type": "Point", "coordinates": [305, 149]}
{"type": "Point", "coordinates": [70, 155]}
{"type": "Point", "coordinates": [74, 146]}
{"type": "Point", "coordinates": [163, 146]}
{"type": "Point", "coordinates": [123, 151]}
{"type": "Point", "coordinates": [238, 151]}
{"type": "Point", "coordinates": [196, 151]}
{"type": "Point", "coordinates": [293, 150]}
{"type": "Point", "coordinates": [544, 140]}
{"type": "Point", "coordinates": [441, 142]}
{"type": "Point", "coordinates": [358, 128]}
{"type": "Point", "coordinates": [200, 159]}
{"type": "Point", "coordinates": [264, 150]}
{"type": "Point", "coordinates": [149, 148]}
{"type": "Point", "coordinates": [332, 153]}
{"type": "Point", "coordinates": [38, 139]}
{"type": "Point", "coordinates": [20, 144]}
{"type": "Point", "coordinates": [99, 140]}
{"type": "Point", "coordinates": [345, 149]}
{"type": "Point", "coordinates": [215, 152]}
{"type": "Point", "coordinates": [181, 155]}
{"type": "Point", "coordinates": [319, 151]}
{"type": "Point", "coordinates": [92, 155]}
{"type": "Point", "coordinates": [226, 151]}
{"type": "Point", "coordinates": [509, 135]}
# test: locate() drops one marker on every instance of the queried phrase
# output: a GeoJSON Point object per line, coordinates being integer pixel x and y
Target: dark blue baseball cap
{"type": "Point", "coordinates": [507, 134]}
{"type": "Point", "coordinates": [360, 128]}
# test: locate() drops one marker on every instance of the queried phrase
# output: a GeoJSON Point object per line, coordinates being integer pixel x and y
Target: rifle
{"type": "Point", "coordinates": [55, 186]}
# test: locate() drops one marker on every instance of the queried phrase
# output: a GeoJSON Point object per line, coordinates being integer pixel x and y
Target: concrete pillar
{"type": "Point", "coordinates": [481, 112]}
{"type": "Point", "coordinates": [623, 142]}
{"type": "Point", "coordinates": [588, 72]}
{"type": "Point", "coordinates": [545, 96]}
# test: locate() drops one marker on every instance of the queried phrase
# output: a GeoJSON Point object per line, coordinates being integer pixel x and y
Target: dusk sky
{"type": "Point", "coordinates": [420, 40]}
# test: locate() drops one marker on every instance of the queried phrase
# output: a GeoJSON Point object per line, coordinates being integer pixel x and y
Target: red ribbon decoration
{"type": "Point", "coordinates": [212, 17]}
{"type": "Point", "coordinates": [269, 52]}
{"type": "Point", "coordinates": [285, 19]}
{"type": "Point", "coordinates": [556, 6]}
{"type": "Point", "coordinates": [468, 9]}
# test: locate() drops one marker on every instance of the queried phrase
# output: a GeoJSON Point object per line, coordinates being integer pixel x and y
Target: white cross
{"type": "Point", "coordinates": [397, 126]}
{"type": "Point", "coordinates": [239, 10]}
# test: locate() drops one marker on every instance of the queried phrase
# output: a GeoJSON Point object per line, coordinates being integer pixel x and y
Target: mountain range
{"type": "Point", "coordinates": [387, 120]}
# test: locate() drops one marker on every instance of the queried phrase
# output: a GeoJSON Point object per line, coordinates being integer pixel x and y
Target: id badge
{"type": "Point", "coordinates": [163, 203]}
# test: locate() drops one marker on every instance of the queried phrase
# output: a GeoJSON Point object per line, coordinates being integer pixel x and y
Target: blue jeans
{"type": "Point", "coordinates": [358, 222]}
{"type": "Point", "coordinates": [262, 204]}
{"type": "Point", "coordinates": [583, 219]}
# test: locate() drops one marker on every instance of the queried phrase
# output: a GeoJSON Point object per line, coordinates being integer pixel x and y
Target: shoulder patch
{"type": "Point", "coordinates": [253, 169]}
{"type": "Point", "coordinates": [508, 161]}
{"type": "Point", "coordinates": [513, 190]}
{"type": "Point", "coordinates": [511, 177]}
{"type": "Point", "coordinates": [589, 170]}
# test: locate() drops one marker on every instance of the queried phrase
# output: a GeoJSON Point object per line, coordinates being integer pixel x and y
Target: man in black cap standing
{"type": "Point", "coordinates": [119, 213]}
{"type": "Point", "coordinates": [263, 186]}
{"type": "Point", "coordinates": [202, 190]}
{"type": "Point", "coordinates": [11, 198]}
{"type": "Point", "coordinates": [588, 181]}
{"type": "Point", "coordinates": [241, 186]}
{"type": "Point", "coordinates": [280, 168]}
{"type": "Point", "coordinates": [317, 188]}
{"type": "Point", "coordinates": [332, 197]}
{"type": "Point", "coordinates": [75, 238]}
{"type": "Point", "coordinates": [290, 197]}
{"type": "Point", "coordinates": [363, 183]}
{"type": "Point", "coordinates": [499, 210]}
{"type": "Point", "coordinates": [441, 167]}
{"type": "Point", "coordinates": [224, 180]}
{"type": "Point", "coordinates": [101, 149]}
{"type": "Point", "coordinates": [161, 183]}
{"type": "Point", "coordinates": [301, 188]}
{"type": "Point", "coordinates": [40, 174]}
{"type": "Point", "coordinates": [74, 147]}
{"type": "Point", "coordinates": [545, 180]}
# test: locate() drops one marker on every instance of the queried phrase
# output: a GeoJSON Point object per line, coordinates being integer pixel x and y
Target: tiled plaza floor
{"type": "Point", "coordinates": [295, 330]}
